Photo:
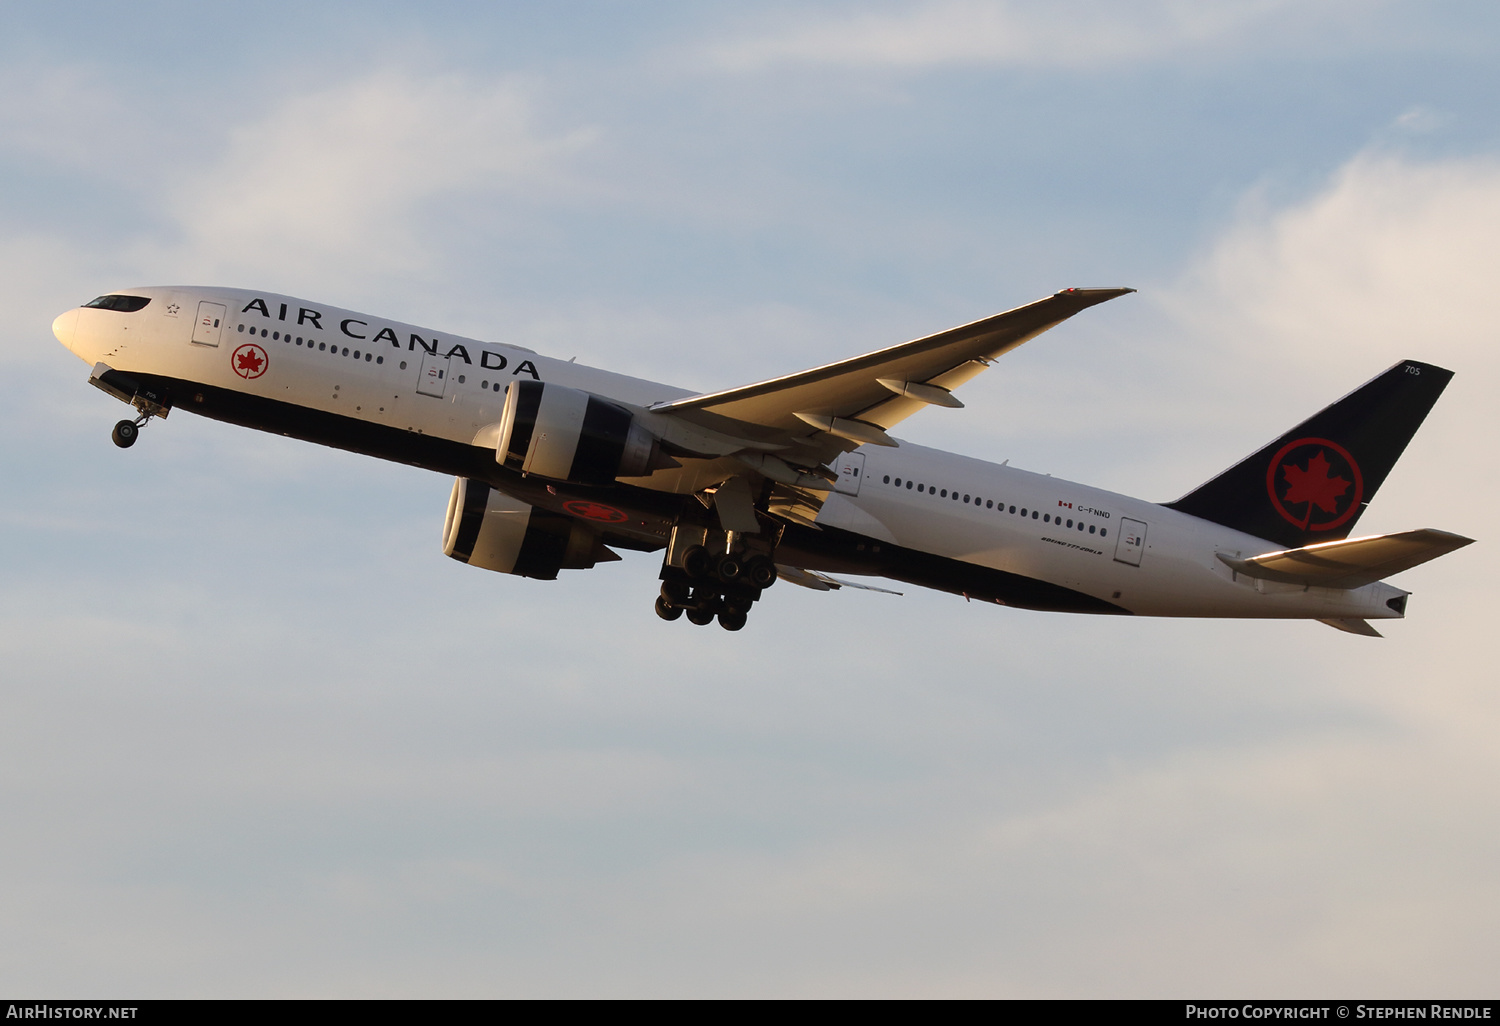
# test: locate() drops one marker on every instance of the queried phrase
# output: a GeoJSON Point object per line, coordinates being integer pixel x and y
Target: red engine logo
{"type": "Point", "coordinates": [595, 511]}
{"type": "Point", "coordinates": [249, 361]}
{"type": "Point", "coordinates": [1314, 484]}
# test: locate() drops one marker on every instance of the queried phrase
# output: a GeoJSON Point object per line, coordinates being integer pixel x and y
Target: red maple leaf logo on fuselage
{"type": "Point", "coordinates": [250, 361]}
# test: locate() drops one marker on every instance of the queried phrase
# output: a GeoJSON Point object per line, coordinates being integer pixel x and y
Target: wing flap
{"type": "Point", "coordinates": [823, 582]}
{"type": "Point", "coordinates": [1350, 562]}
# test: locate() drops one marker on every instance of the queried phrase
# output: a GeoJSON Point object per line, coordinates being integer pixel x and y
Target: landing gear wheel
{"type": "Point", "coordinates": [666, 610]}
{"type": "Point", "coordinates": [732, 619]}
{"type": "Point", "coordinates": [739, 605]}
{"type": "Point", "coordinates": [125, 434]}
{"type": "Point", "coordinates": [701, 615]}
{"type": "Point", "coordinates": [760, 572]}
{"type": "Point", "coordinates": [696, 562]}
{"type": "Point", "coordinates": [675, 592]}
{"type": "Point", "coordinates": [729, 569]}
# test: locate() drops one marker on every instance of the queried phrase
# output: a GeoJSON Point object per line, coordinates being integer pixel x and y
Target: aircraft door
{"type": "Point", "coordinates": [1132, 542]}
{"type": "Point", "coordinates": [432, 379]}
{"type": "Point", "coordinates": [210, 323]}
{"type": "Point", "coordinates": [851, 466]}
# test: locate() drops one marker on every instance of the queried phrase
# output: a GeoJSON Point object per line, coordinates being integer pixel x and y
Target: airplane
{"type": "Point", "coordinates": [558, 465]}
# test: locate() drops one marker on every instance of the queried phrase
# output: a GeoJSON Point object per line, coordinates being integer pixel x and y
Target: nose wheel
{"type": "Point", "coordinates": [127, 431]}
{"type": "Point", "coordinates": [125, 434]}
{"type": "Point", "coordinates": [147, 404]}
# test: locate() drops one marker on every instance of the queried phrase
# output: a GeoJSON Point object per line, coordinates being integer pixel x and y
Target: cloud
{"type": "Point", "coordinates": [1393, 257]}
{"type": "Point", "coordinates": [968, 32]}
{"type": "Point", "coordinates": [322, 189]}
{"type": "Point", "coordinates": [344, 170]}
{"type": "Point", "coordinates": [68, 116]}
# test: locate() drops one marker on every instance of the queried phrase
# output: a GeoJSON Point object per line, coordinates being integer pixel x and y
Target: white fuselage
{"type": "Point", "coordinates": [1136, 555]}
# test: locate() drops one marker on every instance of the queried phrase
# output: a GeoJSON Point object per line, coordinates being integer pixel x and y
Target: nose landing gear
{"type": "Point", "coordinates": [127, 431]}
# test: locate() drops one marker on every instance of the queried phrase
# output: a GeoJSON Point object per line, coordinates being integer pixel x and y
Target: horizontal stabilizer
{"type": "Point", "coordinates": [1351, 562]}
{"type": "Point", "coordinates": [1360, 627]}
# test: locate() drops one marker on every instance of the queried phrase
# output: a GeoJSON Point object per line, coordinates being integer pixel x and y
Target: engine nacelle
{"type": "Point", "coordinates": [489, 529]}
{"type": "Point", "coordinates": [568, 435]}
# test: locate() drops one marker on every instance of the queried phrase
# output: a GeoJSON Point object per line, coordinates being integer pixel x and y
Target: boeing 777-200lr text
{"type": "Point", "coordinates": [794, 478]}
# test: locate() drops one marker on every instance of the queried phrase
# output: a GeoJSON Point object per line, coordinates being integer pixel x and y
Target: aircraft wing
{"type": "Point", "coordinates": [858, 399]}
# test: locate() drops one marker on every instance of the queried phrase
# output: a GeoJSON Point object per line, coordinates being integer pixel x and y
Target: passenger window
{"type": "Point", "coordinates": [884, 480]}
{"type": "Point", "coordinates": [908, 486]}
{"type": "Point", "coordinates": [1023, 510]}
{"type": "Point", "coordinates": [966, 498]}
{"type": "Point", "coordinates": [1091, 529]}
{"type": "Point", "coordinates": [1047, 519]}
{"type": "Point", "coordinates": [1033, 514]}
{"type": "Point", "coordinates": [1103, 531]}
{"type": "Point", "coordinates": [989, 503]}
{"type": "Point", "coordinates": [241, 327]}
{"type": "Point", "coordinates": [945, 493]}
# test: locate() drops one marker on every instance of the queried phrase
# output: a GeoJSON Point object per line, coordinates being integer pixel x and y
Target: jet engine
{"type": "Point", "coordinates": [568, 435]}
{"type": "Point", "coordinates": [487, 528]}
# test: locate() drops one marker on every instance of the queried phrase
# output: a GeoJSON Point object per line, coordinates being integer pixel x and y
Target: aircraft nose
{"type": "Point", "coordinates": [65, 326]}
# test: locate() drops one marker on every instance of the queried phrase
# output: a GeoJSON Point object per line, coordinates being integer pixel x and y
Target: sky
{"type": "Point", "coordinates": [258, 738]}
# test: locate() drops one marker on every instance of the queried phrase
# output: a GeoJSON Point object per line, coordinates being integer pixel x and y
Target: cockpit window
{"type": "Point", "coordinates": [124, 304]}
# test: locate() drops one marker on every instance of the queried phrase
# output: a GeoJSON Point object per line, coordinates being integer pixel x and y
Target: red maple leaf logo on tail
{"type": "Point", "coordinates": [1314, 485]}
{"type": "Point", "coordinates": [249, 361]}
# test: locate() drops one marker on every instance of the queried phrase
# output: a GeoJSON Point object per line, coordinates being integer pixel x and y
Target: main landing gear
{"type": "Point", "coordinates": [709, 575]}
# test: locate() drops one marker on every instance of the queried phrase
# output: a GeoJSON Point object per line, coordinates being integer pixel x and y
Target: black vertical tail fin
{"type": "Point", "coordinates": [1313, 482]}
